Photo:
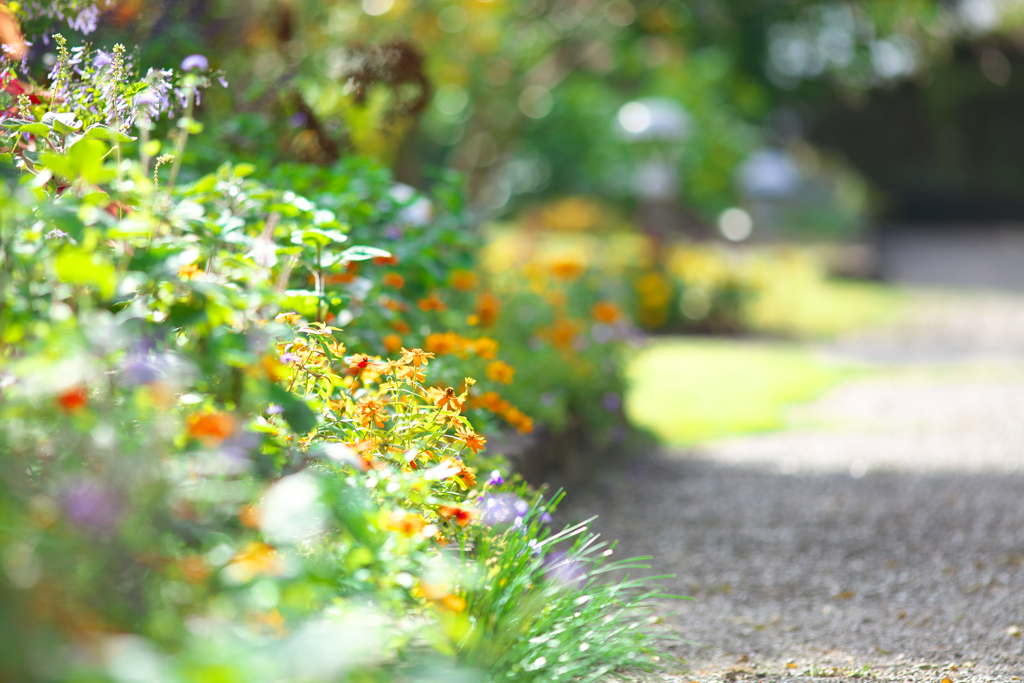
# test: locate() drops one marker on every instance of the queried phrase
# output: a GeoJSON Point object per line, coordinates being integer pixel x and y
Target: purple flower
{"type": "Point", "coordinates": [545, 518]}
{"type": "Point", "coordinates": [288, 358]}
{"type": "Point", "coordinates": [101, 59]}
{"type": "Point", "coordinates": [535, 546]}
{"type": "Point", "coordinates": [496, 479]}
{"type": "Point", "coordinates": [86, 20]}
{"type": "Point", "coordinates": [90, 504]}
{"type": "Point", "coordinates": [195, 62]}
{"type": "Point", "coordinates": [560, 568]}
{"type": "Point", "coordinates": [611, 402]}
{"type": "Point", "coordinates": [56, 234]}
{"type": "Point", "coordinates": [140, 370]}
{"type": "Point", "coordinates": [223, 81]}
{"type": "Point", "coordinates": [500, 509]}
{"type": "Point", "coordinates": [274, 409]}
{"type": "Point", "coordinates": [237, 451]}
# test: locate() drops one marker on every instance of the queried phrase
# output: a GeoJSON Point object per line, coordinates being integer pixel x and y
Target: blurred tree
{"type": "Point", "coordinates": [522, 95]}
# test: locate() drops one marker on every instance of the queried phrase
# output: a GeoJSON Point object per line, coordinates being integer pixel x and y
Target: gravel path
{"type": "Point", "coordinates": [881, 537]}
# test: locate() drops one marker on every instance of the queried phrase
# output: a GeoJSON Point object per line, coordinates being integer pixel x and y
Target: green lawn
{"type": "Point", "coordinates": [688, 391]}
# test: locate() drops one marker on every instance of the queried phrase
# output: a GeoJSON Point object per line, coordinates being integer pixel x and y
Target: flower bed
{"type": "Point", "coordinates": [242, 436]}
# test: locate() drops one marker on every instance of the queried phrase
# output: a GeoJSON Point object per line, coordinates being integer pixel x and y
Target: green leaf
{"type": "Point", "coordinates": [100, 132]}
{"type": "Point", "coordinates": [243, 170]}
{"type": "Point", "coordinates": [363, 253]}
{"type": "Point", "coordinates": [64, 123]}
{"type": "Point", "coordinates": [205, 184]}
{"type": "Point", "coordinates": [84, 159]}
{"type": "Point", "coordinates": [38, 129]}
{"type": "Point", "coordinates": [316, 236]}
{"type": "Point", "coordinates": [299, 416]}
{"type": "Point", "coordinates": [78, 267]}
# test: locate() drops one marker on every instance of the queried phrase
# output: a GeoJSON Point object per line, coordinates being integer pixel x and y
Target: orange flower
{"type": "Point", "coordinates": [486, 347]}
{"type": "Point", "coordinates": [461, 515]}
{"type": "Point", "coordinates": [445, 399]}
{"type": "Point", "coordinates": [371, 410]}
{"type": "Point", "coordinates": [401, 327]}
{"type": "Point", "coordinates": [211, 427]}
{"type": "Point", "coordinates": [466, 476]}
{"type": "Point", "coordinates": [392, 304]}
{"type": "Point", "coordinates": [522, 423]}
{"type": "Point", "coordinates": [500, 371]}
{"type": "Point", "coordinates": [493, 402]}
{"type": "Point", "coordinates": [416, 357]}
{"type": "Point", "coordinates": [605, 312]}
{"type": "Point", "coordinates": [453, 603]}
{"type": "Point", "coordinates": [406, 524]}
{"type": "Point", "coordinates": [249, 515]}
{"type": "Point", "coordinates": [194, 568]}
{"type": "Point", "coordinates": [562, 334]}
{"type": "Point", "coordinates": [474, 441]}
{"type": "Point", "coordinates": [463, 280]}
{"type": "Point", "coordinates": [257, 558]}
{"type": "Point", "coordinates": [392, 343]}
{"type": "Point", "coordinates": [446, 343]}
{"type": "Point", "coordinates": [189, 272]}
{"type": "Point", "coordinates": [393, 280]}
{"type": "Point", "coordinates": [410, 374]}
{"type": "Point", "coordinates": [391, 260]}
{"type": "Point", "coordinates": [339, 278]}
{"type": "Point", "coordinates": [488, 307]}
{"type": "Point", "coordinates": [432, 303]}
{"type": "Point", "coordinates": [73, 399]}
{"type": "Point", "coordinates": [567, 269]}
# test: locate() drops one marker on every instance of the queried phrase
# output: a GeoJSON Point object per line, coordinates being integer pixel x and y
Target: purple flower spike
{"type": "Point", "coordinates": [496, 479]}
{"type": "Point", "coordinates": [195, 62]}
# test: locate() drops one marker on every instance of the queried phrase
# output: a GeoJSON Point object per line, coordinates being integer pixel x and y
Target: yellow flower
{"type": "Point", "coordinates": [190, 272]}
{"type": "Point", "coordinates": [500, 371]}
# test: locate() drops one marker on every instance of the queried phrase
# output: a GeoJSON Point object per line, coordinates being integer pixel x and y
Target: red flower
{"type": "Point", "coordinates": [73, 399]}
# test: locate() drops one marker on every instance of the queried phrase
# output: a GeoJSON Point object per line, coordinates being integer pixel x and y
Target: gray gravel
{"type": "Point", "coordinates": [881, 536]}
